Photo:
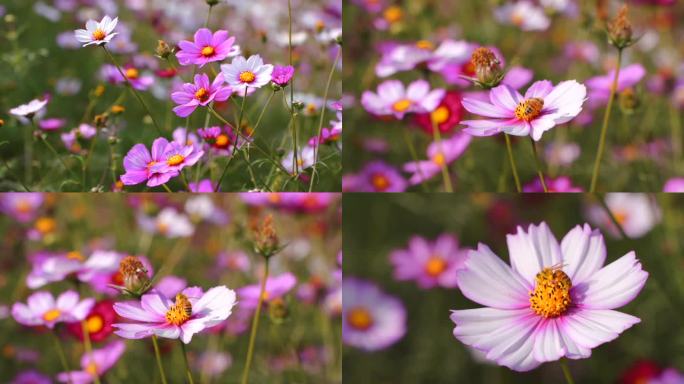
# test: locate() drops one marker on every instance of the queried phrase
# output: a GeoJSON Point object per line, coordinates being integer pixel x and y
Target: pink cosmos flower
{"type": "Point", "coordinates": [675, 184]}
{"type": "Point", "coordinates": [282, 74]}
{"type": "Point", "coordinates": [97, 33]}
{"type": "Point", "coordinates": [376, 176]}
{"type": "Point", "coordinates": [559, 184]}
{"type": "Point", "coordinates": [429, 263]}
{"type": "Point", "coordinates": [599, 86]}
{"type": "Point", "coordinates": [31, 377]}
{"type": "Point", "coordinates": [440, 153]}
{"type": "Point", "coordinates": [176, 157]}
{"type": "Point", "coordinates": [96, 363]}
{"type": "Point", "coordinates": [21, 206]}
{"type": "Point", "coordinates": [42, 309]}
{"type": "Point", "coordinates": [191, 312]}
{"type": "Point", "coordinates": [220, 140]}
{"type": "Point", "coordinates": [543, 107]}
{"type": "Point", "coordinates": [203, 186]}
{"type": "Point", "coordinates": [392, 98]}
{"type": "Point", "coordinates": [523, 14]}
{"type": "Point", "coordinates": [276, 287]}
{"type": "Point", "coordinates": [169, 223]}
{"type": "Point", "coordinates": [200, 93]}
{"type": "Point", "coordinates": [141, 82]}
{"type": "Point", "coordinates": [206, 48]}
{"type": "Point", "coordinates": [247, 74]}
{"type": "Point", "coordinates": [636, 213]}
{"type": "Point", "coordinates": [553, 301]}
{"type": "Point", "coordinates": [139, 161]}
{"type": "Point", "coordinates": [371, 319]}
{"type": "Point", "coordinates": [51, 124]}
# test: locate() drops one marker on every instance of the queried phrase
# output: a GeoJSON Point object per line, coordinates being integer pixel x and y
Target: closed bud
{"type": "Point", "coordinates": [298, 105]}
{"type": "Point", "coordinates": [278, 311]}
{"type": "Point", "coordinates": [100, 121]}
{"type": "Point", "coordinates": [99, 90]}
{"type": "Point", "coordinates": [134, 275]}
{"type": "Point", "coordinates": [629, 101]}
{"type": "Point", "coordinates": [163, 50]}
{"type": "Point", "coordinates": [620, 29]}
{"type": "Point", "coordinates": [265, 237]}
{"type": "Point", "coordinates": [488, 71]}
{"type": "Point", "coordinates": [212, 2]}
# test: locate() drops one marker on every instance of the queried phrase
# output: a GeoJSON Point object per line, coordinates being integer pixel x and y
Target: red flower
{"type": "Point", "coordinates": [99, 322]}
{"type": "Point", "coordinates": [447, 115]}
{"type": "Point", "coordinates": [641, 371]}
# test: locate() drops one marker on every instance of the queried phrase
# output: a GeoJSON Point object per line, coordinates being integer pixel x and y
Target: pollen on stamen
{"type": "Point", "coordinates": [180, 311]}
{"type": "Point", "coordinates": [99, 34]}
{"type": "Point", "coordinates": [402, 105]}
{"type": "Point", "coordinates": [175, 160]}
{"type": "Point", "coordinates": [247, 77]}
{"type": "Point", "coordinates": [529, 109]}
{"type": "Point", "coordinates": [208, 51]}
{"type": "Point", "coordinates": [551, 295]}
{"type": "Point", "coordinates": [201, 94]}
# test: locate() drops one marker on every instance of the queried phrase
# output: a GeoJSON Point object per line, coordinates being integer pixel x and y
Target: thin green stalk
{"type": "Point", "coordinates": [187, 366]}
{"type": "Point", "coordinates": [537, 162]}
{"type": "Point", "coordinates": [255, 326]}
{"type": "Point", "coordinates": [610, 214]}
{"type": "Point", "coordinates": [206, 22]}
{"type": "Point", "coordinates": [238, 129]}
{"type": "Point", "coordinates": [511, 160]}
{"type": "Point", "coordinates": [566, 372]}
{"type": "Point", "coordinates": [676, 126]}
{"type": "Point", "coordinates": [323, 108]}
{"type": "Point", "coordinates": [295, 164]}
{"type": "Point", "coordinates": [158, 356]}
{"type": "Point", "coordinates": [88, 347]}
{"type": "Point", "coordinates": [54, 152]}
{"type": "Point", "coordinates": [437, 136]}
{"type": "Point", "coordinates": [62, 356]}
{"type": "Point", "coordinates": [9, 172]}
{"type": "Point", "coordinates": [28, 155]}
{"type": "Point", "coordinates": [166, 187]}
{"type": "Point", "coordinates": [135, 93]}
{"type": "Point", "coordinates": [604, 128]}
{"type": "Point", "coordinates": [414, 156]}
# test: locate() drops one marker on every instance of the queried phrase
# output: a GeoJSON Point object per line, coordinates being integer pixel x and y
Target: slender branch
{"type": "Point", "coordinates": [158, 356]}
{"type": "Point", "coordinates": [537, 162]}
{"type": "Point", "coordinates": [511, 160]}
{"type": "Point", "coordinates": [187, 366]}
{"type": "Point", "coordinates": [255, 325]}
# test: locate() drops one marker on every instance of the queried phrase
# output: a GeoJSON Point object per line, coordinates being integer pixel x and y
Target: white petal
{"type": "Point", "coordinates": [612, 286]}
{"type": "Point", "coordinates": [584, 253]}
{"type": "Point", "coordinates": [534, 250]}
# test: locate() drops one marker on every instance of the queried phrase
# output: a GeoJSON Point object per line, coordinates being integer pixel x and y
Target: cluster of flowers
{"type": "Point", "coordinates": [129, 301]}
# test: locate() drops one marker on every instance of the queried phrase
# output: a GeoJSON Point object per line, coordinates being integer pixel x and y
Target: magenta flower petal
{"type": "Point", "coordinates": [505, 98]}
{"type": "Point", "coordinates": [486, 109]}
{"type": "Point", "coordinates": [132, 310]}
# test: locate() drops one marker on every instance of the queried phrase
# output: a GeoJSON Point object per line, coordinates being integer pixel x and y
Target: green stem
{"type": "Point", "coordinates": [537, 162]}
{"type": "Point", "coordinates": [511, 160]}
{"type": "Point", "coordinates": [187, 366]}
{"type": "Point", "coordinates": [135, 93]}
{"type": "Point", "coordinates": [437, 136]}
{"type": "Point", "coordinates": [62, 356]}
{"type": "Point", "coordinates": [88, 347]}
{"type": "Point", "coordinates": [238, 129]}
{"type": "Point", "coordinates": [166, 187]}
{"type": "Point", "coordinates": [676, 126]}
{"type": "Point", "coordinates": [158, 356]}
{"type": "Point", "coordinates": [255, 326]}
{"type": "Point", "coordinates": [28, 155]}
{"type": "Point", "coordinates": [320, 122]}
{"type": "Point", "coordinates": [9, 172]}
{"type": "Point", "coordinates": [566, 372]}
{"type": "Point", "coordinates": [54, 152]}
{"type": "Point", "coordinates": [604, 128]}
{"type": "Point", "coordinates": [414, 156]}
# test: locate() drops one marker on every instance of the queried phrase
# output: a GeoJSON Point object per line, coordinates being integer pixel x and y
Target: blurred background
{"type": "Point", "coordinates": [376, 225]}
{"type": "Point", "coordinates": [189, 240]}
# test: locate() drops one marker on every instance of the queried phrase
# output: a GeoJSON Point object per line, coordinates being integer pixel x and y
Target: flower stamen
{"type": "Point", "coordinates": [529, 109]}
{"type": "Point", "coordinates": [180, 311]}
{"type": "Point", "coordinates": [99, 34]}
{"type": "Point", "coordinates": [551, 295]}
{"type": "Point", "coordinates": [247, 77]}
{"type": "Point", "coordinates": [175, 160]}
{"type": "Point", "coordinates": [402, 105]}
{"type": "Point", "coordinates": [360, 318]}
{"type": "Point", "coordinates": [208, 51]}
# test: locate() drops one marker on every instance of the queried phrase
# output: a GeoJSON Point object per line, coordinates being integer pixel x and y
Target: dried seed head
{"type": "Point", "coordinates": [620, 29]}
{"type": "Point", "coordinates": [265, 237]}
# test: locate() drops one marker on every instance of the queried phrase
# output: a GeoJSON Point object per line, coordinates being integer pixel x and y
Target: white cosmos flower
{"type": "Point", "coordinates": [29, 109]}
{"type": "Point", "coordinates": [244, 73]}
{"type": "Point", "coordinates": [97, 33]}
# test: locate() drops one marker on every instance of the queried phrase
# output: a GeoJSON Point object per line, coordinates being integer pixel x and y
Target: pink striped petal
{"type": "Point", "coordinates": [590, 328]}
{"type": "Point", "coordinates": [487, 110]}
{"type": "Point", "coordinates": [614, 285]}
{"type": "Point", "coordinates": [584, 253]}
{"type": "Point", "coordinates": [533, 250]}
{"type": "Point", "coordinates": [505, 98]}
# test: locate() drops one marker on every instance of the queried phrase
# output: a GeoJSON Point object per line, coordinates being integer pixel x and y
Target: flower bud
{"type": "Point", "coordinates": [163, 50]}
{"type": "Point", "coordinates": [620, 30]}
{"type": "Point", "coordinates": [117, 109]}
{"type": "Point", "coordinates": [100, 121]}
{"type": "Point", "coordinates": [99, 90]}
{"type": "Point", "coordinates": [134, 275]}
{"type": "Point", "coordinates": [265, 238]}
{"type": "Point", "coordinates": [488, 71]}
{"type": "Point", "coordinates": [278, 311]}
{"type": "Point", "coordinates": [2, 122]}
{"type": "Point", "coordinates": [211, 3]}
{"type": "Point", "coordinates": [298, 105]}
{"type": "Point", "coordinates": [629, 101]}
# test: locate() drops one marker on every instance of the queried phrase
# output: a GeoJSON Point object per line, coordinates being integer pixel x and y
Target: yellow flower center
{"type": "Point", "coordinates": [75, 255]}
{"type": "Point", "coordinates": [620, 217]}
{"type": "Point", "coordinates": [201, 94]}
{"type": "Point", "coordinates": [517, 19]}
{"type": "Point", "coordinates": [180, 311]}
{"type": "Point", "coordinates": [175, 160]}
{"type": "Point", "coordinates": [439, 159]}
{"type": "Point", "coordinates": [247, 77]}
{"type": "Point", "coordinates": [380, 182]}
{"type": "Point", "coordinates": [265, 296]}
{"type": "Point", "coordinates": [440, 115]}
{"type": "Point", "coordinates": [393, 14]}
{"type": "Point", "coordinates": [99, 34]}
{"type": "Point", "coordinates": [435, 266]}
{"type": "Point", "coordinates": [23, 206]}
{"type": "Point", "coordinates": [529, 109]}
{"type": "Point", "coordinates": [208, 51]}
{"type": "Point", "coordinates": [162, 227]}
{"type": "Point", "coordinates": [402, 105]}
{"type": "Point", "coordinates": [94, 324]}
{"type": "Point", "coordinates": [551, 295]}
{"type": "Point", "coordinates": [222, 141]}
{"type": "Point", "coordinates": [274, 198]}
{"type": "Point", "coordinates": [360, 318]}
{"type": "Point", "coordinates": [45, 225]}
{"type": "Point", "coordinates": [91, 368]}
{"type": "Point", "coordinates": [425, 44]}
{"type": "Point", "coordinates": [51, 315]}
{"type": "Point", "coordinates": [132, 73]}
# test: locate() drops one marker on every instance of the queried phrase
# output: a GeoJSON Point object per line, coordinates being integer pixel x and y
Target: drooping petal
{"type": "Point", "coordinates": [487, 280]}
{"type": "Point", "coordinates": [541, 125]}
{"type": "Point", "coordinates": [612, 286]}
{"type": "Point", "coordinates": [534, 250]}
{"type": "Point", "coordinates": [584, 253]}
